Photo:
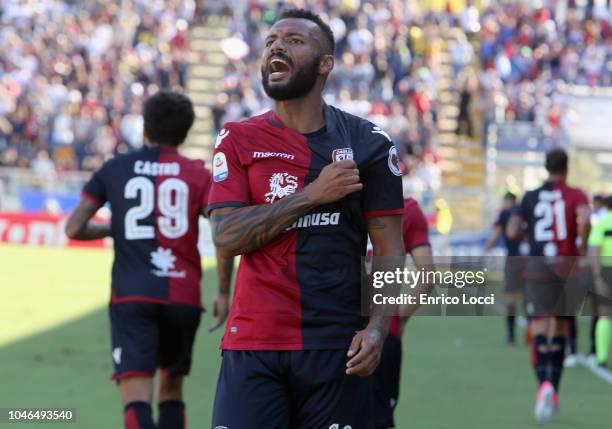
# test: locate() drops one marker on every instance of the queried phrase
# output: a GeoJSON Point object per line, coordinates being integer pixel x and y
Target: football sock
{"type": "Point", "coordinates": [603, 335]}
{"type": "Point", "coordinates": [138, 415]}
{"type": "Point", "coordinates": [593, 327]}
{"type": "Point", "coordinates": [571, 340]}
{"type": "Point", "coordinates": [539, 357]}
{"type": "Point", "coordinates": [557, 354]}
{"type": "Point", "coordinates": [172, 415]}
{"type": "Point", "coordinates": [510, 319]}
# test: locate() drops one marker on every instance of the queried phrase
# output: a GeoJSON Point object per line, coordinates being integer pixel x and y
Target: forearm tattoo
{"type": "Point", "coordinates": [246, 229]}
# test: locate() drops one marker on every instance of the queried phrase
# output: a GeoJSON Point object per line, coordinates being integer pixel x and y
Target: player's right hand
{"type": "Point", "coordinates": [335, 181]}
{"type": "Point", "coordinates": [220, 311]}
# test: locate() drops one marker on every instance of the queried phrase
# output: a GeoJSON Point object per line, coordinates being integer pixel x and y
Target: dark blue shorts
{"type": "Point", "coordinates": [290, 389]}
{"type": "Point", "coordinates": [387, 383]}
{"type": "Point", "coordinates": [146, 336]}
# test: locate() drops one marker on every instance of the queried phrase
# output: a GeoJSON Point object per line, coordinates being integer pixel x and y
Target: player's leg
{"type": "Point", "coordinates": [178, 328]}
{"type": "Point", "coordinates": [539, 327]}
{"type": "Point", "coordinates": [252, 391]}
{"type": "Point", "coordinates": [513, 294]}
{"type": "Point", "coordinates": [513, 299]}
{"type": "Point", "coordinates": [572, 338]}
{"type": "Point", "coordinates": [386, 383]}
{"type": "Point", "coordinates": [134, 336]}
{"type": "Point", "coordinates": [603, 329]}
{"type": "Point", "coordinates": [136, 397]}
{"type": "Point", "coordinates": [603, 336]}
{"type": "Point", "coordinates": [557, 349]}
{"type": "Point", "coordinates": [323, 396]}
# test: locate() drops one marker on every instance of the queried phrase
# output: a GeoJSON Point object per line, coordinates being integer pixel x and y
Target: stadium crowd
{"type": "Point", "coordinates": [529, 56]}
{"type": "Point", "coordinates": [73, 76]}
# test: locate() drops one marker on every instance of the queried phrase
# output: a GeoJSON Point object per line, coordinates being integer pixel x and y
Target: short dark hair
{"type": "Point", "coordinates": [608, 201]}
{"type": "Point", "coordinates": [510, 196]}
{"type": "Point", "coordinates": [168, 116]}
{"type": "Point", "coordinates": [556, 161]}
{"type": "Point", "coordinates": [599, 198]}
{"type": "Point", "coordinates": [306, 14]}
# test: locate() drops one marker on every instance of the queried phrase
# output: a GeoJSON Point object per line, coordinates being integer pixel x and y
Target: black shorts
{"type": "Point", "coordinates": [290, 389]}
{"type": "Point", "coordinates": [548, 294]}
{"type": "Point", "coordinates": [146, 336]}
{"type": "Point", "coordinates": [387, 383]}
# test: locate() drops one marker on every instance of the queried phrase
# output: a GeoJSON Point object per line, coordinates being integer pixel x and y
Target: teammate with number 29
{"type": "Point", "coordinates": [156, 197]}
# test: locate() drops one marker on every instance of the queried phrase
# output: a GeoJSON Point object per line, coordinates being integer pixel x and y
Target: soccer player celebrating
{"type": "Point", "coordinates": [387, 375]}
{"type": "Point", "coordinates": [156, 197]}
{"type": "Point", "coordinates": [513, 268]}
{"type": "Point", "coordinates": [296, 191]}
{"type": "Point", "coordinates": [555, 216]}
{"type": "Point", "coordinates": [600, 242]}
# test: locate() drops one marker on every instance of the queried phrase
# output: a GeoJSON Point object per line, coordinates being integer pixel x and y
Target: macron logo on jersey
{"type": "Point", "coordinates": [260, 155]}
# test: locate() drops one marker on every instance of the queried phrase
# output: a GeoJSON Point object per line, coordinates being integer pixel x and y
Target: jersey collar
{"type": "Point", "coordinates": [330, 119]}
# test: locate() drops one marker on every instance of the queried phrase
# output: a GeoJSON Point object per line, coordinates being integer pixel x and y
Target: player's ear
{"type": "Point", "coordinates": [326, 65]}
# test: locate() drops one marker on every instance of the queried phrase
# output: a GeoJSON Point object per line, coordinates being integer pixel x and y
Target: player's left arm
{"type": "Point", "coordinates": [80, 226]}
{"type": "Point", "coordinates": [225, 268]}
{"type": "Point", "coordinates": [366, 347]}
{"type": "Point", "coordinates": [516, 224]}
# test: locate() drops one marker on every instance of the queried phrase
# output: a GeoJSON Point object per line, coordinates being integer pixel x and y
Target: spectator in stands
{"type": "Point", "coordinates": [73, 75]}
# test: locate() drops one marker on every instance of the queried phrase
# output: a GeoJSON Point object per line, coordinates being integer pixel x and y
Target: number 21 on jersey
{"type": "Point", "coordinates": [550, 215]}
{"type": "Point", "coordinates": [172, 203]}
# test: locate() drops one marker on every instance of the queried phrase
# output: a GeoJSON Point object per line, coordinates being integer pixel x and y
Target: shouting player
{"type": "Point", "coordinates": [554, 216]}
{"type": "Point", "coordinates": [156, 197]}
{"type": "Point", "coordinates": [387, 375]}
{"type": "Point", "coordinates": [513, 269]}
{"type": "Point", "coordinates": [296, 191]}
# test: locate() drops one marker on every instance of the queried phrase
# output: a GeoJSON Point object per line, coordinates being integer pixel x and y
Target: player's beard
{"type": "Point", "coordinates": [299, 84]}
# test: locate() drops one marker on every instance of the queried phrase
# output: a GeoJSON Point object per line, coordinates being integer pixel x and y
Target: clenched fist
{"type": "Point", "coordinates": [335, 181]}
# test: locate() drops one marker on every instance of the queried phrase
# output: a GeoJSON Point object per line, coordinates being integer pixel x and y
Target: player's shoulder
{"type": "Point", "coordinates": [246, 127]}
{"type": "Point", "coordinates": [411, 205]}
{"type": "Point", "coordinates": [367, 131]}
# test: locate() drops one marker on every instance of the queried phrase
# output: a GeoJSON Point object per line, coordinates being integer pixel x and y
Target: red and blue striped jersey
{"type": "Point", "coordinates": [303, 289]}
{"type": "Point", "coordinates": [156, 197]}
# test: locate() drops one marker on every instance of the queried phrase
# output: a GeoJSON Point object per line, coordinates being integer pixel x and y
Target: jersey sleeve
{"type": "Point", "coordinates": [414, 228]}
{"type": "Point", "coordinates": [581, 199]}
{"type": "Point", "coordinates": [230, 185]}
{"type": "Point", "coordinates": [95, 190]}
{"type": "Point", "coordinates": [206, 184]}
{"type": "Point", "coordinates": [382, 182]}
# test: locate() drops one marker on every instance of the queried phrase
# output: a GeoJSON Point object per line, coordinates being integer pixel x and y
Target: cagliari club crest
{"type": "Point", "coordinates": [342, 154]}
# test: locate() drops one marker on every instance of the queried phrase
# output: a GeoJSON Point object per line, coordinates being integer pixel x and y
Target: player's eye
{"type": "Point", "coordinates": [296, 42]}
{"type": "Point", "coordinates": [269, 43]}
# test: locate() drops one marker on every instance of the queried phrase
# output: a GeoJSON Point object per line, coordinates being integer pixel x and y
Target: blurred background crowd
{"type": "Point", "coordinates": [73, 74]}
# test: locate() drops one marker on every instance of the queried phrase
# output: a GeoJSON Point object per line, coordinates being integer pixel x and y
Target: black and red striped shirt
{"type": "Point", "coordinates": [302, 290]}
{"type": "Point", "coordinates": [156, 197]}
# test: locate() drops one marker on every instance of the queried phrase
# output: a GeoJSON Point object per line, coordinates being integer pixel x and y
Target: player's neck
{"type": "Point", "coordinates": [304, 115]}
{"type": "Point", "coordinates": [557, 178]}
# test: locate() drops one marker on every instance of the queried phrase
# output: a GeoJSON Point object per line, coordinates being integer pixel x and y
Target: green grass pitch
{"type": "Point", "coordinates": [55, 352]}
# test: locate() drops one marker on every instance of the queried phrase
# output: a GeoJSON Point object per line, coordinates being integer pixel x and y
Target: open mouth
{"type": "Point", "coordinates": [279, 69]}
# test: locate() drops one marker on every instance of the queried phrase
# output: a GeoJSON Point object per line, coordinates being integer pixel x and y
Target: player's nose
{"type": "Point", "coordinates": [277, 46]}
